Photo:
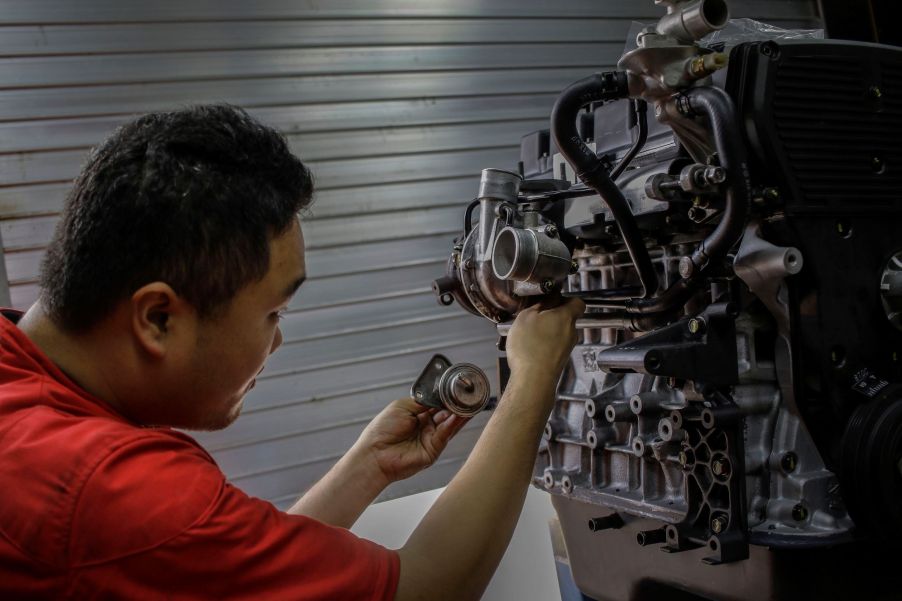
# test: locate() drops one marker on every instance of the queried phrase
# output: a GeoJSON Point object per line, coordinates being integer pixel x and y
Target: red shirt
{"type": "Point", "coordinates": [94, 507]}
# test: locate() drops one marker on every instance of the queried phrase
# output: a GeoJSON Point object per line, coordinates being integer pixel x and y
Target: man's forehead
{"type": "Point", "coordinates": [288, 265]}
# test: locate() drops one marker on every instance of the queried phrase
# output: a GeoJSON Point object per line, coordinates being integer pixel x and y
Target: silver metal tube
{"type": "Point", "coordinates": [694, 20]}
{"type": "Point", "coordinates": [581, 323]}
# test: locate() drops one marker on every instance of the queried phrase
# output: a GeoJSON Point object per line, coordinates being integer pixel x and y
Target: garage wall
{"type": "Point", "coordinates": [397, 106]}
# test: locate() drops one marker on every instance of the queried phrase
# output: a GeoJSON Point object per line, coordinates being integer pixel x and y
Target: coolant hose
{"type": "Point", "coordinates": [717, 106]}
{"type": "Point", "coordinates": [591, 170]}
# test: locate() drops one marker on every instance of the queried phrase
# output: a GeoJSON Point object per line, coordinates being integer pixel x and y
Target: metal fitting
{"type": "Point", "coordinates": [691, 21]}
{"type": "Point", "coordinates": [530, 255]}
{"type": "Point", "coordinates": [607, 522]}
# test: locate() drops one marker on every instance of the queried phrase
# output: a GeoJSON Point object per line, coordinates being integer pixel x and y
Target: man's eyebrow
{"type": "Point", "coordinates": [293, 287]}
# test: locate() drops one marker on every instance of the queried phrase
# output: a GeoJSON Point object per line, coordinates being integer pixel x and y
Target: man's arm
{"type": "Point", "coordinates": [454, 551]}
{"type": "Point", "coordinates": [403, 439]}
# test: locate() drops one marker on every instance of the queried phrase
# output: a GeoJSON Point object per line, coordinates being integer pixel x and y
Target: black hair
{"type": "Point", "coordinates": [190, 197]}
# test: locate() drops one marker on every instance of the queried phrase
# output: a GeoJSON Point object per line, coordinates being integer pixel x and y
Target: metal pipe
{"type": "Point", "coordinates": [617, 321]}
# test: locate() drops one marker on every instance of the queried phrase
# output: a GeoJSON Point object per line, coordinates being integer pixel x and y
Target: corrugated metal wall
{"type": "Point", "coordinates": [396, 105]}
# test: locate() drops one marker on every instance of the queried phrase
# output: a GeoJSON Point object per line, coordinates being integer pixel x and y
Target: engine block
{"type": "Point", "coordinates": [736, 393]}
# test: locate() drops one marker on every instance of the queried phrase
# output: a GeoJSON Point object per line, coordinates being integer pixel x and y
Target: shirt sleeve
{"type": "Point", "coordinates": [157, 520]}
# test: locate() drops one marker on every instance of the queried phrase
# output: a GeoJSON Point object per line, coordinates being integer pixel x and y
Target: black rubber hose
{"type": "Point", "coordinates": [718, 107]}
{"type": "Point", "coordinates": [640, 109]}
{"type": "Point", "coordinates": [468, 216]}
{"type": "Point", "coordinates": [591, 170]}
{"type": "Point", "coordinates": [723, 123]}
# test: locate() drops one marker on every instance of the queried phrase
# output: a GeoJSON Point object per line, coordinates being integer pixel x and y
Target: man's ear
{"type": "Point", "coordinates": [159, 317]}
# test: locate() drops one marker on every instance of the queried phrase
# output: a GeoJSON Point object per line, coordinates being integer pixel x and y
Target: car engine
{"type": "Point", "coordinates": [731, 215]}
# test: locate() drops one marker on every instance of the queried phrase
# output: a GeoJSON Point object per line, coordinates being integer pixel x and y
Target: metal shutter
{"type": "Point", "coordinates": [397, 106]}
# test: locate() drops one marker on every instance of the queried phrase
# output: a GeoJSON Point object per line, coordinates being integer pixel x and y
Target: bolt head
{"type": "Point", "coordinates": [687, 267]}
{"type": "Point", "coordinates": [789, 461]}
{"type": "Point", "coordinates": [875, 92]}
{"type": "Point", "coordinates": [718, 525]}
{"type": "Point", "coordinates": [697, 213]}
{"type": "Point", "coordinates": [566, 484]}
{"type": "Point", "coordinates": [468, 264]}
{"type": "Point", "coordinates": [548, 285]}
{"type": "Point", "coordinates": [551, 230]}
{"type": "Point", "coordinates": [800, 513]}
{"type": "Point", "coordinates": [683, 458]}
{"type": "Point", "coordinates": [696, 325]}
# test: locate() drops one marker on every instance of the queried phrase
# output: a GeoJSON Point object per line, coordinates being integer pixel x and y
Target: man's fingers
{"type": "Point", "coordinates": [440, 416]}
{"type": "Point", "coordinates": [576, 307]}
{"type": "Point", "coordinates": [460, 423]}
{"type": "Point", "coordinates": [410, 404]}
{"type": "Point", "coordinates": [550, 301]}
{"type": "Point", "coordinates": [451, 426]}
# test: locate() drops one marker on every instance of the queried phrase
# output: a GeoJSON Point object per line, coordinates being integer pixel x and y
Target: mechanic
{"type": "Point", "coordinates": [178, 251]}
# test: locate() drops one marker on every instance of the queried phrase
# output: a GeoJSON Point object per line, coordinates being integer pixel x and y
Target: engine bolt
{"type": "Point", "coordinates": [720, 467]}
{"type": "Point", "coordinates": [548, 285]}
{"type": "Point", "coordinates": [697, 214]}
{"type": "Point", "coordinates": [696, 325]}
{"type": "Point", "coordinates": [718, 524]}
{"type": "Point", "coordinates": [800, 513]}
{"type": "Point", "coordinates": [566, 484]}
{"type": "Point", "coordinates": [684, 459]}
{"type": "Point", "coordinates": [789, 461]}
{"type": "Point", "coordinates": [551, 230]}
{"type": "Point", "coordinates": [574, 267]}
{"type": "Point", "coordinates": [772, 194]}
{"type": "Point", "coordinates": [468, 264]}
{"type": "Point", "coordinates": [687, 267]}
{"type": "Point", "coordinates": [875, 92]}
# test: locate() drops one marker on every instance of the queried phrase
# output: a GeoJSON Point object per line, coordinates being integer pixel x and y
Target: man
{"type": "Point", "coordinates": [162, 290]}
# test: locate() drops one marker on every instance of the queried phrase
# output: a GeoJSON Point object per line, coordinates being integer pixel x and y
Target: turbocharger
{"type": "Point", "coordinates": [508, 257]}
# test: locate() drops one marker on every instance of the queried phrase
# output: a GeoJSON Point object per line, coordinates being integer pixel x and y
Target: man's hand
{"type": "Point", "coordinates": [407, 437]}
{"type": "Point", "coordinates": [540, 341]}
{"type": "Point", "coordinates": [402, 440]}
{"type": "Point", "coordinates": [471, 523]}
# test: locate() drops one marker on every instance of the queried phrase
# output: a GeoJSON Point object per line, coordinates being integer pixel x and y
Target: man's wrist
{"type": "Point", "coordinates": [366, 467]}
{"type": "Point", "coordinates": [541, 378]}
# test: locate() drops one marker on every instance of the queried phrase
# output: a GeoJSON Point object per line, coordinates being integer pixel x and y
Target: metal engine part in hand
{"type": "Point", "coordinates": [462, 388]}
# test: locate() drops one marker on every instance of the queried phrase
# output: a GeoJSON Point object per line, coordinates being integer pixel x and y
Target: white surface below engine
{"type": "Point", "coordinates": [527, 569]}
